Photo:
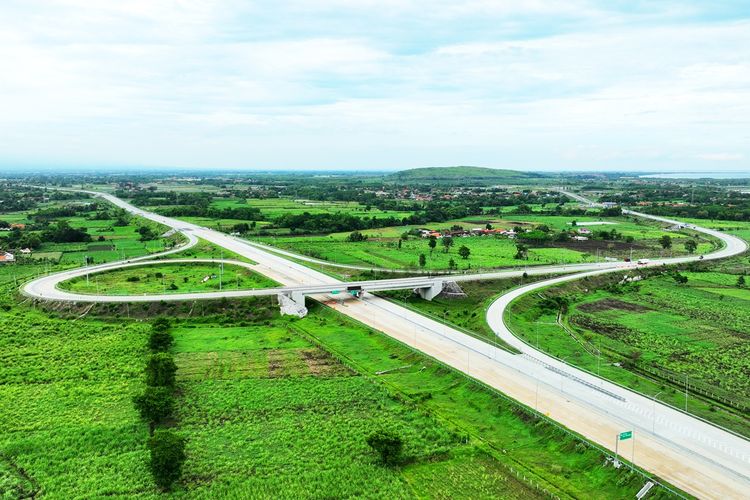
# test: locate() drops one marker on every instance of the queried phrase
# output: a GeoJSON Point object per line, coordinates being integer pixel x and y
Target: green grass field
{"type": "Point", "coordinates": [169, 278]}
{"type": "Point", "coordinates": [271, 407]}
{"type": "Point", "coordinates": [661, 335]}
{"type": "Point", "coordinates": [381, 248]}
{"type": "Point", "coordinates": [119, 242]}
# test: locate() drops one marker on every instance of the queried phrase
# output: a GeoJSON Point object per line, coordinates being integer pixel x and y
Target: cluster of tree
{"type": "Point", "coordinates": [156, 406]}
{"type": "Point", "coordinates": [331, 223]}
{"type": "Point", "coordinates": [15, 197]}
{"type": "Point", "coordinates": [57, 212]}
{"type": "Point", "coordinates": [152, 197]}
{"type": "Point", "coordinates": [356, 237]}
{"type": "Point", "coordinates": [701, 201]}
{"type": "Point", "coordinates": [23, 239]}
{"type": "Point", "coordinates": [63, 232]}
{"type": "Point", "coordinates": [240, 213]}
{"type": "Point", "coordinates": [147, 233]}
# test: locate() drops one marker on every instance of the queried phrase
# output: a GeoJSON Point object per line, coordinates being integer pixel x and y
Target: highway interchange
{"type": "Point", "coordinates": [693, 455]}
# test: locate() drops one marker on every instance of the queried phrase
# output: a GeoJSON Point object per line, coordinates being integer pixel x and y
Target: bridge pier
{"type": "Point", "coordinates": [430, 292]}
{"type": "Point", "coordinates": [292, 304]}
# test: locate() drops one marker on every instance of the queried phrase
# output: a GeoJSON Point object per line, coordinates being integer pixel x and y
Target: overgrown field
{"type": "Point", "coordinates": [654, 335]}
{"type": "Point", "coordinates": [169, 278]}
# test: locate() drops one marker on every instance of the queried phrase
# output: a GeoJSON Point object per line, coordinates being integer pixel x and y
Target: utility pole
{"type": "Point", "coordinates": [686, 392]}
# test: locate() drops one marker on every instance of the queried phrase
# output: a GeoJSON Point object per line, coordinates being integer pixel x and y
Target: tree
{"type": "Point", "coordinates": [488, 226]}
{"type": "Point", "coordinates": [680, 278]}
{"type": "Point", "coordinates": [388, 445]}
{"type": "Point", "coordinates": [741, 281]}
{"type": "Point", "coordinates": [167, 456]}
{"type": "Point", "coordinates": [356, 236]}
{"type": "Point", "coordinates": [432, 244]}
{"type": "Point", "coordinates": [422, 260]}
{"type": "Point", "coordinates": [447, 243]}
{"type": "Point", "coordinates": [399, 243]}
{"type": "Point", "coordinates": [464, 252]}
{"type": "Point", "coordinates": [690, 245]}
{"type": "Point", "coordinates": [521, 251]}
{"type": "Point", "coordinates": [160, 340]}
{"type": "Point", "coordinates": [452, 264]}
{"type": "Point", "coordinates": [665, 241]}
{"type": "Point", "coordinates": [146, 233]}
{"type": "Point", "coordinates": [155, 404]}
{"type": "Point", "coordinates": [160, 370]}
{"type": "Point", "coordinates": [160, 324]}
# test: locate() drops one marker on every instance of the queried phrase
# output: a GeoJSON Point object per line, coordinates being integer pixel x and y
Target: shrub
{"type": "Point", "coordinates": [160, 340]}
{"type": "Point", "coordinates": [167, 456]}
{"type": "Point", "coordinates": [155, 404]}
{"type": "Point", "coordinates": [161, 324]}
{"type": "Point", "coordinates": [388, 445]}
{"type": "Point", "coordinates": [160, 370]}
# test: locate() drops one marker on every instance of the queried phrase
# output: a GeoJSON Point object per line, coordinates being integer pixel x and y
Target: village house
{"type": "Point", "coordinates": [6, 257]}
{"type": "Point", "coordinates": [583, 230]}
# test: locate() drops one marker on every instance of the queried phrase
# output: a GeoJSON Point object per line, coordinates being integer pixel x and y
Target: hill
{"type": "Point", "coordinates": [462, 174]}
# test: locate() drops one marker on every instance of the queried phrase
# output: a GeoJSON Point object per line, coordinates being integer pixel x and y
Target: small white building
{"type": "Point", "coordinates": [7, 257]}
{"type": "Point", "coordinates": [26, 251]}
{"type": "Point", "coordinates": [583, 230]}
{"type": "Point", "coordinates": [580, 238]}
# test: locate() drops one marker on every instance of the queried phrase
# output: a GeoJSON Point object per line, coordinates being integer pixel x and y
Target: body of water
{"type": "Point", "coordinates": [699, 175]}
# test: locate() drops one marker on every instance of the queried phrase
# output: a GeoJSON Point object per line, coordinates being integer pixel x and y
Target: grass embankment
{"type": "Point", "coordinates": [655, 336]}
{"type": "Point", "coordinates": [169, 278]}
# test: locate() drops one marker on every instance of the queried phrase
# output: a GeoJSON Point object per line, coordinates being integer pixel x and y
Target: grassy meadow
{"type": "Point", "coordinates": [169, 278]}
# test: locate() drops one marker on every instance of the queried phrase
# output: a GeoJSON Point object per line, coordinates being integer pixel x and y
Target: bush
{"type": "Point", "coordinates": [160, 341]}
{"type": "Point", "coordinates": [167, 456]}
{"type": "Point", "coordinates": [160, 324]}
{"type": "Point", "coordinates": [160, 370]}
{"type": "Point", "coordinates": [388, 445]}
{"type": "Point", "coordinates": [155, 404]}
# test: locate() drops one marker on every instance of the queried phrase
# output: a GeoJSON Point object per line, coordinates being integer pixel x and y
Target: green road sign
{"type": "Point", "coordinates": [626, 435]}
{"type": "Point", "coordinates": [334, 292]}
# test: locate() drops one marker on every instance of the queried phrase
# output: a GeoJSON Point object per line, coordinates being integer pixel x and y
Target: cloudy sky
{"type": "Point", "coordinates": [366, 84]}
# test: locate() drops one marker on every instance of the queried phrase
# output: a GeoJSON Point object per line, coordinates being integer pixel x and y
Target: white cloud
{"type": "Point", "coordinates": [229, 83]}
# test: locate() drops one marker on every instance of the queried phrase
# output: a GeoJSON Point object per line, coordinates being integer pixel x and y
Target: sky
{"type": "Point", "coordinates": [553, 85]}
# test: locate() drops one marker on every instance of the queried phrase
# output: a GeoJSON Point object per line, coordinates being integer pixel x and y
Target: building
{"type": "Point", "coordinates": [583, 230]}
{"type": "Point", "coordinates": [7, 257]}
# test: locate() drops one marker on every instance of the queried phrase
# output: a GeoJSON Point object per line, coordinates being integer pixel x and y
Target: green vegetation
{"type": "Point", "coordinates": [654, 335]}
{"type": "Point", "coordinates": [400, 247]}
{"type": "Point", "coordinates": [462, 175]}
{"type": "Point", "coordinates": [169, 278]}
{"type": "Point", "coordinates": [464, 313]}
{"type": "Point", "coordinates": [259, 399]}
{"type": "Point", "coordinates": [87, 232]}
{"type": "Point", "coordinates": [167, 456]}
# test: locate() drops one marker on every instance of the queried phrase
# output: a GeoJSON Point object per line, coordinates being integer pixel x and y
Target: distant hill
{"type": "Point", "coordinates": [462, 174]}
